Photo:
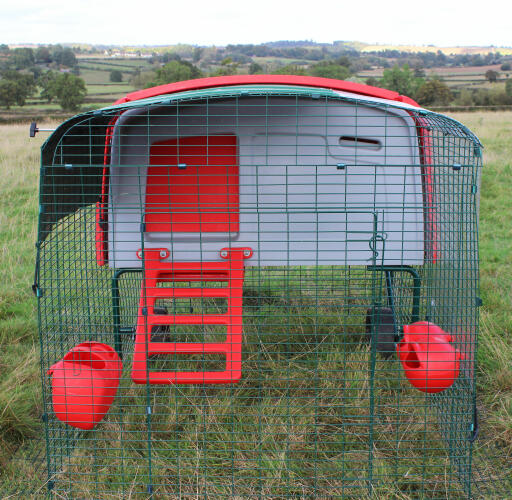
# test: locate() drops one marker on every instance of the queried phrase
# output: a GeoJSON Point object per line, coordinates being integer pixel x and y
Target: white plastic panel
{"type": "Point", "coordinates": [305, 196]}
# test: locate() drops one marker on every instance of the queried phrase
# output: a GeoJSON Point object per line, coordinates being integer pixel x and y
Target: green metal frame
{"type": "Point", "coordinates": [116, 311]}
{"type": "Point", "coordinates": [416, 288]}
{"type": "Point", "coordinates": [388, 270]}
{"type": "Point", "coordinates": [313, 395]}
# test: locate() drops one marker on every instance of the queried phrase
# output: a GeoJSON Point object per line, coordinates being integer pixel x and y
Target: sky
{"type": "Point", "coordinates": [210, 22]}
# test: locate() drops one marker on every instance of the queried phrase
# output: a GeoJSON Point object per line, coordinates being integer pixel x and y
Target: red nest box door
{"type": "Point", "coordinates": [192, 185]}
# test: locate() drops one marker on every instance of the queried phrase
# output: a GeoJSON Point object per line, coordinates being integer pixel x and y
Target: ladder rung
{"type": "Point", "coordinates": [225, 377]}
{"type": "Point", "coordinates": [195, 267]}
{"type": "Point", "coordinates": [169, 293]}
{"type": "Point", "coordinates": [190, 319]}
{"type": "Point", "coordinates": [192, 276]}
{"type": "Point", "coordinates": [188, 348]}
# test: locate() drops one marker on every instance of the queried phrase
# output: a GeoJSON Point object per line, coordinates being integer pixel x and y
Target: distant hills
{"type": "Point", "coordinates": [340, 44]}
{"type": "Point", "coordinates": [469, 50]}
{"type": "Point", "coordinates": [31, 75]}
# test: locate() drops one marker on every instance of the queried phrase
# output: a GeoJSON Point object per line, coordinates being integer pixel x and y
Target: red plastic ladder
{"type": "Point", "coordinates": [156, 271]}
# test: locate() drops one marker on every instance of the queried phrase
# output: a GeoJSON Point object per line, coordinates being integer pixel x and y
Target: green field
{"type": "Point", "coordinates": [471, 77]}
{"type": "Point", "coordinates": [431, 48]}
{"type": "Point", "coordinates": [20, 402]}
{"type": "Point", "coordinates": [95, 70]}
{"type": "Point", "coordinates": [100, 90]}
{"type": "Point", "coordinates": [96, 74]}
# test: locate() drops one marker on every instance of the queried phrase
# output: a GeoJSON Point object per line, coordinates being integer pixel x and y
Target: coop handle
{"type": "Point", "coordinates": [34, 129]}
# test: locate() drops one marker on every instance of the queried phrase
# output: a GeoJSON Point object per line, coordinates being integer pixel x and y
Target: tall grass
{"type": "Point", "coordinates": [20, 404]}
{"type": "Point", "coordinates": [493, 450]}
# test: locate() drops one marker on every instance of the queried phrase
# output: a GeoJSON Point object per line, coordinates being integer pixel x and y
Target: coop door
{"type": "Point", "coordinates": [192, 185]}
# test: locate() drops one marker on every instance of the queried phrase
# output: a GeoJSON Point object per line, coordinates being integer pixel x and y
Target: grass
{"type": "Point", "coordinates": [100, 76]}
{"type": "Point", "coordinates": [495, 351]}
{"type": "Point", "coordinates": [274, 410]}
{"type": "Point", "coordinates": [96, 73]}
{"type": "Point", "coordinates": [19, 386]}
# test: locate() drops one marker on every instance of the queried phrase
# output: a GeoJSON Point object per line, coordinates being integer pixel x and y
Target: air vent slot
{"type": "Point", "coordinates": [350, 141]}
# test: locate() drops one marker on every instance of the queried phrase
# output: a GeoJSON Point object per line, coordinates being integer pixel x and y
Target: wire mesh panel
{"type": "Point", "coordinates": [241, 291]}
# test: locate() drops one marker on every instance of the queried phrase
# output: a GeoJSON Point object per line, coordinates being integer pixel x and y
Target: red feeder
{"type": "Point", "coordinates": [84, 384]}
{"type": "Point", "coordinates": [430, 361]}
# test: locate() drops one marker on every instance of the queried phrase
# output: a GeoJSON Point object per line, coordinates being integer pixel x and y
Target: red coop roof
{"type": "Point", "coordinates": [305, 81]}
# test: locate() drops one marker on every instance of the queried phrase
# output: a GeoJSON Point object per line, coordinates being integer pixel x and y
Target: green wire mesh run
{"type": "Point", "coordinates": [362, 218]}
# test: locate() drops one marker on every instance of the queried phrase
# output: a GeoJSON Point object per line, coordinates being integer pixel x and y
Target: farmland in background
{"type": "Point", "coordinates": [465, 77]}
{"type": "Point", "coordinates": [462, 69]}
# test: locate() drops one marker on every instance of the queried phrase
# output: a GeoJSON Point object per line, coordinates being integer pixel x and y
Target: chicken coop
{"type": "Point", "coordinates": [259, 287]}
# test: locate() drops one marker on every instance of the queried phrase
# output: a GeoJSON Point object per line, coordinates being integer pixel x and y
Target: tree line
{"type": "Point", "coordinates": [434, 92]}
{"type": "Point", "coordinates": [53, 70]}
{"type": "Point", "coordinates": [430, 91]}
